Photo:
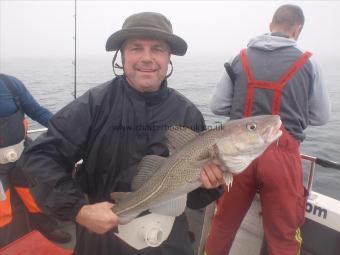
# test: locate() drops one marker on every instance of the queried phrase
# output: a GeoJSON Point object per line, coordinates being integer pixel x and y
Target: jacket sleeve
{"type": "Point", "coordinates": [319, 103]}
{"type": "Point", "coordinates": [49, 162]}
{"type": "Point", "coordinates": [221, 99]}
{"type": "Point", "coordinates": [30, 106]}
{"type": "Point", "coordinates": [201, 197]}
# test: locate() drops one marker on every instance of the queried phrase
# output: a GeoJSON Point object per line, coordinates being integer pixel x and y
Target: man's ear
{"type": "Point", "coordinates": [271, 27]}
{"type": "Point", "coordinates": [297, 31]}
{"type": "Point", "coordinates": [122, 57]}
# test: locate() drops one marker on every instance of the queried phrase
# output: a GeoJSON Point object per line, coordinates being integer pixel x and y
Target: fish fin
{"type": "Point", "coordinates": [146, 168]}
{"type": "Point", "coordinates": [203, 158]}
{"type": "Point", "coordinates": [209, 155]}
{"type": "Point", "coordinates": [200, 163]}
{"type": "Point", "coordinates": [196, 167]}
{"type": "Point", "coordinates": [215, 158]}
{"type": "Point", "coordinates": [228, 179]}
{"type": "Point", "coordinates": [178, 136]}
{"type": "Point", "coordinates": [174, 207]}
{"type": "Point", "coordinates": [194, 179]}
{"type": "Point", "coordinates": [119, 196]}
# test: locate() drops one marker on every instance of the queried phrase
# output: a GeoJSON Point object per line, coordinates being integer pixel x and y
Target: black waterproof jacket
{"type": "Point", "coordinates": [111, 127]}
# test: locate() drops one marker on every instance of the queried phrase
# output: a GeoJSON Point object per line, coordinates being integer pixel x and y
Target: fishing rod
{"type": "Point", "coordinates": [75, 50]}
{"type": "Point", "coordinates": [322, 162]}
{"type": "Point", "coordinates": [0, 35]}
{"type": "Point", "coordinates": [327, 163]}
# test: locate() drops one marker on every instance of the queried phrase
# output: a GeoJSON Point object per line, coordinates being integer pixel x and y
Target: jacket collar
{"type": "Point", "coordinates": [150, 98]}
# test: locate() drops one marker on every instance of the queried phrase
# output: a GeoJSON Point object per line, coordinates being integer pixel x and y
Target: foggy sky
{"type": "Point", "coordinates": [46, 28]}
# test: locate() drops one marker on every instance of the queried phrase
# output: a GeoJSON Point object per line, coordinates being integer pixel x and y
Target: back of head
{"type": "Point", "coordinates": [287, 18]}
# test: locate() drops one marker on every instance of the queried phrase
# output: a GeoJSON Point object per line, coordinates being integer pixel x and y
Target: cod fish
{"type": "Point", "coordinates": [162, 184]}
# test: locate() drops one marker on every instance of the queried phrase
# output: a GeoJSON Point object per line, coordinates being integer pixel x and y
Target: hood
{"type": "Point", "coordinates": [270, 42]}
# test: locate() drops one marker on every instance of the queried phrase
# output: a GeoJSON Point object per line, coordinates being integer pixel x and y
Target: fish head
{"type": "Point", "coordinates": [245, 139]}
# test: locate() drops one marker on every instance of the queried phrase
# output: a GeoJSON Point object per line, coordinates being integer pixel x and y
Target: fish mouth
{"type": "Point", "coordinates": [273, 132]}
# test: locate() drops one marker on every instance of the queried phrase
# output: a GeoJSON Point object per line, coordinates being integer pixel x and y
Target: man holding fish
{"type": "Point", "coordinates": [120, 129]}
{"type": "Point", "coordinates": [112, 127]}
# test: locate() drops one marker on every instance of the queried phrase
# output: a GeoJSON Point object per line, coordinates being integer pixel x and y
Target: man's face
{"type": "Point", "coordinates": [145, 63]}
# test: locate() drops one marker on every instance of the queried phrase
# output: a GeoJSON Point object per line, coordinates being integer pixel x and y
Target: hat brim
{"type": "Point", "coordinates": [177, 45]}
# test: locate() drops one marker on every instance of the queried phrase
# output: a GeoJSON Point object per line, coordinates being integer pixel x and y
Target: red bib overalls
{"type": "Point", "coordinates": [277, 175]}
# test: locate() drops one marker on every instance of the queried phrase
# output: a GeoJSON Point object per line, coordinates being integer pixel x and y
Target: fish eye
{"type": "Point", "coordinates": [251, 126]}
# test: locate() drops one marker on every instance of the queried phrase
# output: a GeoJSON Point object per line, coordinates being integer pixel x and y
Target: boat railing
{"type": "Point", "coordinates": [317, 161]}
{"type": "Point", "coordinates": [38, 130]}
{"type": "Point", "coordinates": [34, 133]}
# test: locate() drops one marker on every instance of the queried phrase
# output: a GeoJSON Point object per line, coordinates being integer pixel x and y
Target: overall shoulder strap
{"type": "Point", "coordinates": [246, 66]}
{"type": "Point", "coordinates": [295, 68]}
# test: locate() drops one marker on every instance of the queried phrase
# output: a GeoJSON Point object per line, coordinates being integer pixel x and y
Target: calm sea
{"type": "Point", "coordinates": [51, 82]}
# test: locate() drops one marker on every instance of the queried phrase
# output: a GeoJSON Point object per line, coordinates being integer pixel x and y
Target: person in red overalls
{"type": "Point", "coordinates": [271, 76]}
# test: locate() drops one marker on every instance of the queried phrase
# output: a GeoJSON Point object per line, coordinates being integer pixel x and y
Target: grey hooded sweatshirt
{"type": "Point", "coordinates": [304, 99]}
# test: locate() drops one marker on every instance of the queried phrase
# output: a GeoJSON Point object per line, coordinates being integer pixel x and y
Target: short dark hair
{"type": "Point", "coordinates": [288, 15]}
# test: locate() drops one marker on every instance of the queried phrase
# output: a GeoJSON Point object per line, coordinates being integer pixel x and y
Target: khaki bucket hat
{"type": "Point", "coordinates": [150, 25]}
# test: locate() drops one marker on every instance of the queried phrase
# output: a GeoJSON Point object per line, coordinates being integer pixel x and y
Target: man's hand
{"type": "Point", "coordinates": [211, 176]}
{"type": "Point", "coordinates": [98, 218]}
